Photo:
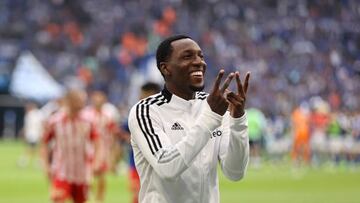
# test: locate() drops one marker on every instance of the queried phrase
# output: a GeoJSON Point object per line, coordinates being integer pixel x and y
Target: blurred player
{"type": "Point", "coordinates": [319, 120]}
{"type": "Point", "coordinates": [107, 129]}
{"type": "Point", "coordinates": [33, 129]}
{"type": "Point", "coordinates": [147, 90]}
{"type": "Point", "coordinates": [257, 124]}
{"type": "Point", "coordinates": [335, 139]}
{"type": "Point", "coordinates": [301, 144]}
{"type": "Point", "coordinates": [75, 143]}
{"type": "Point", "coordinates": [48, 110]}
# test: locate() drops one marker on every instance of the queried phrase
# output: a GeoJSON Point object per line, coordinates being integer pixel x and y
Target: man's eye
{"type": "Point", "coordinates": [187, 56]}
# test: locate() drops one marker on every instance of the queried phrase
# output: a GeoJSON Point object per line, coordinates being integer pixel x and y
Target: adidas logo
{"type": "Point", "coordinates": [177, 126]}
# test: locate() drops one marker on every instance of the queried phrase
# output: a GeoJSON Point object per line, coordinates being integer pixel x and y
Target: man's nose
{"type": "Point", "coordinates": [199, 61]}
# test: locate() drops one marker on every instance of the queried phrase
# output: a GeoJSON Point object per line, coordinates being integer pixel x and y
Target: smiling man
{"type": "Point", "coordinates": [180, 134]}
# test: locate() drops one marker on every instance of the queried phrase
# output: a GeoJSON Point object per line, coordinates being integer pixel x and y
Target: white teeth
{"type": "Point", "coordinates": [196, 73]}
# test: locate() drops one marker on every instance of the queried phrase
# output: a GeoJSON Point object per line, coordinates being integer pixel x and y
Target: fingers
{"type": "Point", "coordinates": [246, 84]}
{"type": "Point", "coordinates": [239, 84]}
{"type": "Point", "coordinates": [227, 82]}
{"type": "Point", "coordinates": [233, 98]}
{"type": "Point", "coordinates": [226, 92]}
{"type": "Point", "coordinates": [236, 104]}
{"type": "Point", "coordinates": [218, 80]}
{"type": "Point", "coordinates": [242, 89]}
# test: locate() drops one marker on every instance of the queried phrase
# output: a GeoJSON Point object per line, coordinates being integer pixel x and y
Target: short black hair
{"type": "Point", "coordinates": [151, 86]}
{"type": "Point", "coordinates": [164, 49]}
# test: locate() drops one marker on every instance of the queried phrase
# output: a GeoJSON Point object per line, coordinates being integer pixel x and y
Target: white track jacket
{"type": "Point", "coordinates": [177, 145]}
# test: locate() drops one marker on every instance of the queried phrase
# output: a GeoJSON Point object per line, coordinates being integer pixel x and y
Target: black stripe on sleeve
{"type": "Point", "coordinates": [152, 129]}
{"type": "Point", "coordinates": [141, 127]}
{"type": "Point", "coordinates": [144, 121]}
{"type": "Point", "coordinates": [147, 134]}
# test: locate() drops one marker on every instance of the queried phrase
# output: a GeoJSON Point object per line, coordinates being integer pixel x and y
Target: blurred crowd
{"type": "Point", "coordinates": [299, 52]}
{"type": "Point", "coordinates": [295, 49]}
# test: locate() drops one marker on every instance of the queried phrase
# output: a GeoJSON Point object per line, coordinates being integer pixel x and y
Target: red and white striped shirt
{"type": "Point", "coordinates": [106, 127]}
{"type": "Point", "coordinates": [73, 147]}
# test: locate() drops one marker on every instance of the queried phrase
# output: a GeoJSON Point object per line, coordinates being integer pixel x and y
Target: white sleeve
{"type": "Point", "coordinates": [168, 160]}
{"type": "Point", "coordinates": [234, 148]}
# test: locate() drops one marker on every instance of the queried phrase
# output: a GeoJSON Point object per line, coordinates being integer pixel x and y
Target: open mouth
{"type": "Point", "coordinates": [197, 74]}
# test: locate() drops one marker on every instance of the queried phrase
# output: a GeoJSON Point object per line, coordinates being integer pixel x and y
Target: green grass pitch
{"type": "Point", "coordinates": [271, 183]}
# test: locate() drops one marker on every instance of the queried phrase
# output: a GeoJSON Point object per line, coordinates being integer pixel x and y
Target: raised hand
{"type": "Point", "coordinates": [237, 101]}
{"type": "Point", "coordinates": [216, 99]}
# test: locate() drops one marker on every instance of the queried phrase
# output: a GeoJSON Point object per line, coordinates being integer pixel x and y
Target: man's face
{"type": "Point", "coordinates": [186, 66]}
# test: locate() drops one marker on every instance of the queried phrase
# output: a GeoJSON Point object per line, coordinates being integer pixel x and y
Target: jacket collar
{"type": "Point", "coordinates": [176, 101]}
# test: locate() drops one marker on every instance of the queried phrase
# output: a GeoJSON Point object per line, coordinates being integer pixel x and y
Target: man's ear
{"type": "Point", "coordinates": [164, 69]}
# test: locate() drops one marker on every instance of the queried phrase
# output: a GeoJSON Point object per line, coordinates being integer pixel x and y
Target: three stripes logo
{"type": "Point", "coordinates": [145, 123]}
{"type": "Point", "coordinates": [177, 126]}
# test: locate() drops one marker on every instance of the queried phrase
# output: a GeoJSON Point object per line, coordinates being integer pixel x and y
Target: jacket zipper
{"type": "Point", "coordinates": [201, 180]}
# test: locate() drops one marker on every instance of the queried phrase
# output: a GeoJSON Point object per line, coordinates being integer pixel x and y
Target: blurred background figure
{"type": "Point", "coordinates": [352, 142]}
{"type": "Point", "coordinates": [107, 128]}
{"type": "Point", "coordinates": [32, 132]}
{"type": "Point", "coordinates": [149, 89]}
{"type": "Point", "coordinates": [278, 140]}
{"type": "Point", "coordinates": [75, 152]}
{"type": "Point", "coordinates": [257, 129]}
{"type": "Point", "coordinates": [116, 148]}
{"type": "Point", "coordinates": [146, 90]}
{"type": "Point", "coordinates": [336, 137]}
{"type": "Point", "coordinates": [319, 120]}
{"type": "Point", "coordinates": [301, 153]}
